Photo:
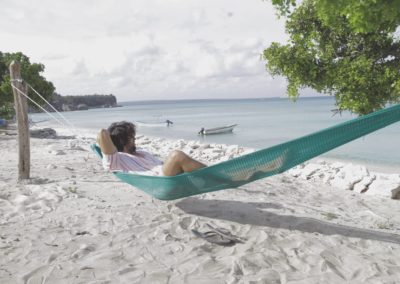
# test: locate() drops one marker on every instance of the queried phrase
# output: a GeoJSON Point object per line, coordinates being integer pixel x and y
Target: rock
{"type": "Point", "coordinates": [385, 185]}
{"type": "Point", "coordinates": [232, 149]}
{"type": "Point", "coordinates": [296, 171]}
{"type": "Point", "coordinates": [186, 149]}
{"type": "Point", "coordinates": [305, 171]}
{"type": "Point", "coordinates": [363, 185]}
{"type": "Point", "coordinates": [43, 133]}
{"type": "Point", "coordinates": [82, 107]}
{"type": "Point", "coordinates": [192, 144]}
{"type": "Point", "coordinates": [348, 176]}
{"type": "Point", "coordinates": [179, 144]}
{"type": "Point", "coordinates": [58, 152]}
{"type": "Point", "coordinates": [204, 146]}
{"type": "Point", "coordinates": [74, 145]}
{"type": "Point", "coordinates": [327, 173]}
{"type": "Point", "coordinates": [210, 154]}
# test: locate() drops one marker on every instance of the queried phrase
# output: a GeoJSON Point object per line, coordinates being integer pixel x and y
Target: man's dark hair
{"type": "Point", "coordinates": [120, 133]}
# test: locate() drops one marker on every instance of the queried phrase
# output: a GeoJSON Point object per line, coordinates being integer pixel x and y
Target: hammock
{"type": "Point", "coordinates": [263, 163]}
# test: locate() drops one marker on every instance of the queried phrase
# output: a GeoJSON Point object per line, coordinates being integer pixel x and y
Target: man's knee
{"type": "Point", "coordinates": [177, 156]}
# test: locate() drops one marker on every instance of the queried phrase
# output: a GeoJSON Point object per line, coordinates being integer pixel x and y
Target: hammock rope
{"type": "Point", "coordinates": [68, 125]}
{"type": "Point", "coordinates": [39, 106]}
{"type": "Point", "coordinates": [260, 164]}
{"type": "Point", "coordinates": [62, 116]}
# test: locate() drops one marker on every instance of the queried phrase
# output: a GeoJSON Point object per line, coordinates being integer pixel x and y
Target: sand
{"type": "Point", "coordinates": [72, 222]}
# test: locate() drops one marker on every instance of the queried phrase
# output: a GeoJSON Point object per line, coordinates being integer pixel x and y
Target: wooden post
{"type": "Point", "coordinates": [21, 110]}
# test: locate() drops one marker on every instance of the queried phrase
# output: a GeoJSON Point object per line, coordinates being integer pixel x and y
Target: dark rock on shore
{"type": "Point", "coordinates": [43, 133]}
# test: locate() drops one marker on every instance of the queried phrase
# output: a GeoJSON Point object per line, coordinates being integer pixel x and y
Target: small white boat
{"type": "Point", "coordinates": [218, 130]}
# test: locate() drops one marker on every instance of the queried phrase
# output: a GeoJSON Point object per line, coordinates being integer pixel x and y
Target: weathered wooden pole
{"type": "Point", "coordinates": [21, 110]}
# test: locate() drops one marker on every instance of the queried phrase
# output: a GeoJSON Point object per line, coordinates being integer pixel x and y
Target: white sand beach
{"type": "Point", "coordinates": [72, 222]}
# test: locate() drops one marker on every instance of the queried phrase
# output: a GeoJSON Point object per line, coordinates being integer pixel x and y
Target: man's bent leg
{"type": "Point", "coordinates": [178, 162]}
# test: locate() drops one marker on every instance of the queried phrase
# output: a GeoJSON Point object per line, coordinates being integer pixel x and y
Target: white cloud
{"type": "Point", "coordinates": [147, 49]}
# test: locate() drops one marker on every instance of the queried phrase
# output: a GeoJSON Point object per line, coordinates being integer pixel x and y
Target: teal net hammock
{"type": "Point", "coordinates": [263, 163]}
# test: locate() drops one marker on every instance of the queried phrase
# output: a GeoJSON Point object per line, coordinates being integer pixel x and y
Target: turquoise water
{"type": "Point", "coordinates": [261, 123]}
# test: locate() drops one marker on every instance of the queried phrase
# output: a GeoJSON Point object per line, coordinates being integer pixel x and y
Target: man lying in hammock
{"type": "Point", "coordinates": [120, 154]}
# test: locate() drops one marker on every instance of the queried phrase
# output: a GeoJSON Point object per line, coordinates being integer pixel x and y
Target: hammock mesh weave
{"type": "Point", "coordinates": [263, 163]}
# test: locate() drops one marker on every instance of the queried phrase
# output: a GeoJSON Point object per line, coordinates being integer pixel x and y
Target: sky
{"type": "Point", "coordinates": [148, 49]}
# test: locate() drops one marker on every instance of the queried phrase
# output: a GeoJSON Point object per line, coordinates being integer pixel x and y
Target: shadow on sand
{"type": "Point", "coordinates": [253, 213]}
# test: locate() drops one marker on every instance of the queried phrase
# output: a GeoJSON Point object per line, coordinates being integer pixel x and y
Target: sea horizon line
{"type": "Point", "coordinates": [222, 99]}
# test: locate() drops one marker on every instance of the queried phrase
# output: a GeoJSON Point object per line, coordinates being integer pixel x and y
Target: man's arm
{"type": "Point", "coordinates": [106, 145]}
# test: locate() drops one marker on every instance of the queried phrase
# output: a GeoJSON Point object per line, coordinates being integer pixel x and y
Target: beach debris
{"type": "Point", "coordinates": [3, 122]}
{"type": "Point", "coordinates": [218, 236]}
{"type": "Point", "coordinates": [82, 233]}
{"type": "Point", "coordinates": [329, 216]}
{"type": "Point", "coordinates": [72, 189]}
{"type": "Point", "coordinates": [384, 225]}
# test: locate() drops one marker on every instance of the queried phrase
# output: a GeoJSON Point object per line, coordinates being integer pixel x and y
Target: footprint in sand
{"type": "Point", "coordinates": [84, 250]}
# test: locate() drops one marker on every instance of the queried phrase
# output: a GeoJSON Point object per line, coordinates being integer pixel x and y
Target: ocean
{"type": "Point", "coordinates": [261, 123]}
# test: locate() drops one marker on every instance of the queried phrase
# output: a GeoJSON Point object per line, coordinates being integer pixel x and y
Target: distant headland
{"type": "Point", "coordinates": [82, 102]}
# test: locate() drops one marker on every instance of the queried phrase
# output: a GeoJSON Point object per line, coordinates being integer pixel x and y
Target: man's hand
{"type": "Point", "coordinates": [106, 145]}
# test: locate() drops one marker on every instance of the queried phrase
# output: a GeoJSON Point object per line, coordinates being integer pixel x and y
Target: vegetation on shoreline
{"type": "Point", "coordinates": [69, 103]}
{"type": "Point", "coordinates": [31, 72]}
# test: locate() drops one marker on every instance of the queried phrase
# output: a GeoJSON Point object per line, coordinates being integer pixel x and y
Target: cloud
{"type": "Point", "coordinates": [80, 70]}
{"type": "Point", "coordinates": [148, 49]}
{"type": "Point", "coordinates": [54, 56]}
